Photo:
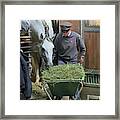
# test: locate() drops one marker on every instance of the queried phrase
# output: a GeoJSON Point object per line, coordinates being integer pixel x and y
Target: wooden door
{"type": "Point", "coordinates": [91, 34]}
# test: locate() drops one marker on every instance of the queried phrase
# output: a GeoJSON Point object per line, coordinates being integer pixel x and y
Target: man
{"type": "Point", "coordinates": [68, 45]}
{"type": "Point", "coordinates": [25, 81]}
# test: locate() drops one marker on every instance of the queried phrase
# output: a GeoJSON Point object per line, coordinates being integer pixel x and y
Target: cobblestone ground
{"type": "Point", "coordinates": [38, 93]}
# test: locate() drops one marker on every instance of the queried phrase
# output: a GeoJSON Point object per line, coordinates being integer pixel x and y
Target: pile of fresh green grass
{"type": "Point", "coordinates": [64, 72]}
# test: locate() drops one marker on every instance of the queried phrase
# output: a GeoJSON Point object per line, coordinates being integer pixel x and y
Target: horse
{"type": "Point", "coordinates": [42, 47]}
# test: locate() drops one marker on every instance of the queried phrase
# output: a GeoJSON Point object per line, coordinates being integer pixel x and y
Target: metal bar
{"type": "Point", "coordinates": [25, 37]}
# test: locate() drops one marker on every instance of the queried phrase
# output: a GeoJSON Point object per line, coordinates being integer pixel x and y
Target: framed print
{"type": "Point", "coordinates": [83, 36]}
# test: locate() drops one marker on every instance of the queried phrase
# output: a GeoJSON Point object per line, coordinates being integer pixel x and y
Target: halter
{"type": "Point", "coordinates": [46, 27]}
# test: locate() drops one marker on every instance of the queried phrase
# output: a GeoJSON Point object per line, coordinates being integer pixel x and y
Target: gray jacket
{"type": "Point", "coordinates": [67, 48]}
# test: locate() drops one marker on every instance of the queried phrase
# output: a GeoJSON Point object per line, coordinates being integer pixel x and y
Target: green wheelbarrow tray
{"type": "Point", "coordinates": [62, 87]}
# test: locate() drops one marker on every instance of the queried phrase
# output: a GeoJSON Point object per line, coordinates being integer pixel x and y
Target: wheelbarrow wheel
{"type": "Point", "coordinates": [71, 98]}
{"type": "Point", "coordinates": [58, 97]}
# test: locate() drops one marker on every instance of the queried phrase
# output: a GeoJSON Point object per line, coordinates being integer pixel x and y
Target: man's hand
{"type": "Point", "coordinates": [81, 59]}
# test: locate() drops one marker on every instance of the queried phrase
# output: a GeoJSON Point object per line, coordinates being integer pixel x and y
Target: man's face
{"type": "Point", "coordinates": [65, 33]}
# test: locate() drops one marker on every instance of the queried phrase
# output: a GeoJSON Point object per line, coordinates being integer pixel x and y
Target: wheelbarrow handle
{"type": "Point", "coordinates": [46, 90]}
{"type": "Point", "coordinates": [81, 86]}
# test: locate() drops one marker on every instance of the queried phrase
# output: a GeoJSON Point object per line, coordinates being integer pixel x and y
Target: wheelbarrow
{"type": "Point", "coordinates": [62, 88]}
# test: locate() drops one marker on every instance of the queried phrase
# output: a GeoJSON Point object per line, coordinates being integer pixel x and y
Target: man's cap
{"type": "Point", "coordinates": [65, 25]}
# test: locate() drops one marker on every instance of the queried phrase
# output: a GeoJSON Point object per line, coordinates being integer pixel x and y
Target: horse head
{"type": "Point", "coordinates": [42, 46]}
{"type": "Point", "coordinates": [48, 50]}
{"type": "Point", "coordinates": [48, 41]}
{"type": "Point", "coordinates": [42, 38]}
